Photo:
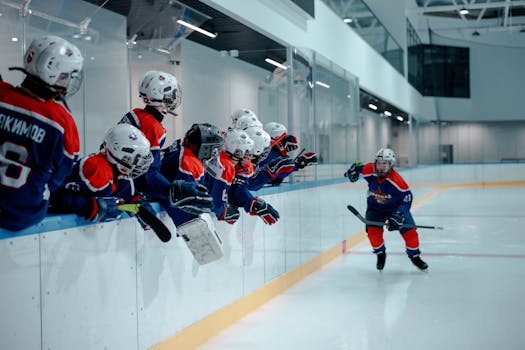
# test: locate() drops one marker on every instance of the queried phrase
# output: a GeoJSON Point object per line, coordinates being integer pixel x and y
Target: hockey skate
{"type": "Point", "coordinates": [381, 258]}
{"type": "Point", "coordinates": [416, 260]}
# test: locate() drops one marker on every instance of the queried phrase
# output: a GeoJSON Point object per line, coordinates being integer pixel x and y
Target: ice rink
{"type": "Point", "coordinates": [471, 297]}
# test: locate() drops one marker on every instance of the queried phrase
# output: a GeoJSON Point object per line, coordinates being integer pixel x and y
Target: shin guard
{"type": "Point", "coordinates": [375, 236]}
{"type": "Point", "coordinates": [411, 242]}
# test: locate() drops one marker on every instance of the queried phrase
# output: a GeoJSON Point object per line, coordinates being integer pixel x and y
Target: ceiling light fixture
{"type": "Point", "coordinates": [347, 20]}
{"type": "Point", "coordinates": [197, 29]}
{"type": "Point", "coordinates": [387, 113]}
{"type": "Point", "coordinates": [372, 106]}
{"type": "Point", "coordinates": [400, 118]}
{"type": "Point", "coordinates": [275, 63]}
{"type": "Point", "coordinates": [463, 11]}
{"type": "Point", "coordinates": [325, 85]}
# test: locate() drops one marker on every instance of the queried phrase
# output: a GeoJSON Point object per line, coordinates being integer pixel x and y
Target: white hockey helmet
{"type": "Point", "coordinates": [237, 143]}
{"type": "Point", "coordinates": [388, 155]}
{"type": "Point", "coordinates": [247, 121]}
{"type": "Point", "coordinates": [128, 148]}
{"type": "Point", "coordinates": [241, 112]}
{"type": "Point", "coordinates": [160, 89]}
{"type": "Point", "coordinates": [260, 138]}
{"type": "Point", "coordinates": [275, 130]}
{"type": "Point", "coordinates": [56, 62]}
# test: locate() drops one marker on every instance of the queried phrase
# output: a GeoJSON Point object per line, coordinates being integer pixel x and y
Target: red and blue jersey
{"type": "Point", "coordinates": [149, 121]}
{"type": "Point", "coordinates": [93, 176]}
{"type": "Point", "coordinates": [239, 195]}
{"type": "Point", "coordinates": [38, 145]}
{"type": "Point", "coordinates": [180, 163]}
{"type": "Point", "coordinates": [263, 176]}
{"type": "Point", "coordinates": [386, 194]}
{"type": "Point", "coordinates": [220, 172]}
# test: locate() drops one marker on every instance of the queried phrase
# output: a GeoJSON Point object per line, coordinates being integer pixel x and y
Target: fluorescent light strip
{"type": "Point", "coordinates": [325, 85]}
{"type": "Point", "coordinates": [275, 63]}
{"type": "Point", "coordinates": [197, 29]}
{"type": "Point", "coordinates": [400, 118]}
{"type": "Point", "coordinates": [387, 113]}
{"type": "Point", "coordinates": [372, 106]}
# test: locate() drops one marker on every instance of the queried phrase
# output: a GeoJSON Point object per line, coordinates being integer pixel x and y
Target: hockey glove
{"type": "Point", "coordinates": [307, 159]}
{"type": "Point", "coordinates": [264, 210]}
{"type": "Point", "coordinates": [191, 197]}
{"type": "Point", "coordinates": [395, 221]}
{"type": "Point", "coordinates": [287, 143]}
{"type": "Point", "coordinates": [352, 173]}
{"type": "Point", "coordinates": [104, 209]}
{"type": "Point", "coordinates": [279, 166]}
{"type": "Point", "coordinates": [230, 215]}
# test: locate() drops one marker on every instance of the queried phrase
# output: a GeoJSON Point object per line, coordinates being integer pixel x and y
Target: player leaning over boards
{"type": "Point", "coordinates": [101, 181]}
{"type": "Point", "coordinates": [389, 200]}
{"type": "Point", "coordinates": [38, 137]}
{"type": "Point", "coordinates": [161, 94]}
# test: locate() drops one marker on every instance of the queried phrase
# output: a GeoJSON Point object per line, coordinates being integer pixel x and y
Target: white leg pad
{"type": "Point", "coordinates": [202, 240]}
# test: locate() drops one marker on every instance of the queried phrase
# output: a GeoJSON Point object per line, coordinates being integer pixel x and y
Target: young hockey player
{"type": "Point", "coordinates": [239, 194]}
{"type": "Point", "coordinates": [389, 200]}
{"type": "Point", "coordinates": [161, 94]}
{"type": "Point", "coordinates": [183, 160]}
{"type": "Point", "coordinates": [101, 181]}
{"type": "Point", "coordinates": [39, 140]}
{"type": "Point", "coordinates": [220, 172]}
{"type": "Point", "coordinates": [274, 166]}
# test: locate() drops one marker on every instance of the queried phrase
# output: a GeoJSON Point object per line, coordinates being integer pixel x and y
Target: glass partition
{"type": "Point", "coordinates": [101, 37]}
{"type": "Point", "coordinates": [357, 15]}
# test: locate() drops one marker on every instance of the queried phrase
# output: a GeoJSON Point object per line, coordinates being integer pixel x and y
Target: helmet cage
{"type": "Point", "coordinates": [128, 149]}
{"type": "Point", "coordinates": [388, 155]}
{"type": "Point", "coordinates": [238, 144]}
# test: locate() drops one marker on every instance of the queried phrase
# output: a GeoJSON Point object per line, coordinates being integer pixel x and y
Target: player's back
{"type": "Point", "coordinates": [38, 143]}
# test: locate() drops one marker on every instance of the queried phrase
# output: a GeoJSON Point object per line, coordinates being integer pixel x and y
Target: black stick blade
{"type": "Point", "coordinates": [155, 223]}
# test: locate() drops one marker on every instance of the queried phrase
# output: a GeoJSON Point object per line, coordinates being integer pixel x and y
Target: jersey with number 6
{"type": "Point", "coordinates": [38, 146]}
{"type": "Point", "coordinates": [386, 194]}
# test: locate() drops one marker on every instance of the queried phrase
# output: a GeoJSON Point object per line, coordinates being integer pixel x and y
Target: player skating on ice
{"type": "Point", "coordinates": [389, 200]}
{"type": "Point", "coordinates": [101, 181]}
{"type": "Point", "coordinates": [39, 140]}
{"type": "Point", "coordinates": [161, 94]}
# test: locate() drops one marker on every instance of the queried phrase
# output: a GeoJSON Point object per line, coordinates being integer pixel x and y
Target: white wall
{"type": "Point", "coordinates": [497, 74]}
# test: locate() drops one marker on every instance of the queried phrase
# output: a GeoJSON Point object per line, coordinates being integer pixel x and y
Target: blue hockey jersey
{"type": "Point", "coordinates": [38, 145]}
{"type": "Point", "coordinates": [386, 194]}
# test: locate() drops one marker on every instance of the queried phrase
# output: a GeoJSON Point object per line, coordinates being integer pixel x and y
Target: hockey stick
{"type": "Point", "coordinates": [149, 218]}
{"type": "Point", "coordinates": [379, 223]}
{"type": "Point", "coordinates": [299, 154]}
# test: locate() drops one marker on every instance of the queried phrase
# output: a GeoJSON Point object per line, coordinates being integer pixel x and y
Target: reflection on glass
{"type": "Point", "coordinates": [357, 15]}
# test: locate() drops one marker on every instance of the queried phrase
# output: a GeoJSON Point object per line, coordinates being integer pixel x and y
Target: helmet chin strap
{"type": "Point", "coordinates": [37, 87]}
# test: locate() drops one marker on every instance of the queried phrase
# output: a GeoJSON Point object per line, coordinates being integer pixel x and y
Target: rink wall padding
{"type": "Point", "coordinates": [70, 284]}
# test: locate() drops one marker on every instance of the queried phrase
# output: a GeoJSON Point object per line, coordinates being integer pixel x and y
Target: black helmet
{"type": "Point", "coordinates": [203, 139]}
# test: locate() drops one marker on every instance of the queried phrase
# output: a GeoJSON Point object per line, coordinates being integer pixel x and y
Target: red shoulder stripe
{"type": "Point", "coordinates": [190, 164]}
{"type": "Point", "coordinates": [96, 172]}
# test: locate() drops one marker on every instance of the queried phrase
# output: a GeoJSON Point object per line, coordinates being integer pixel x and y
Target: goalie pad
{"type": "Point", "coordinates": [202, 240]}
